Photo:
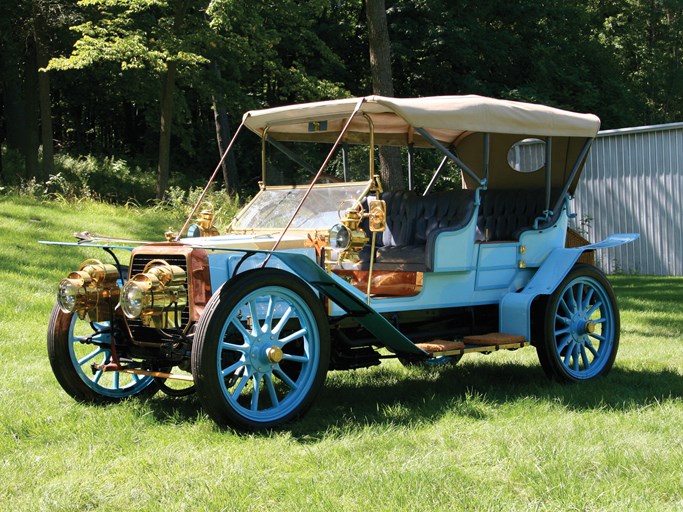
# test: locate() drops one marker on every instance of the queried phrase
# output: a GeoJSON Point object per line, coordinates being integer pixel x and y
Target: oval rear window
{"type": "Point", "coordinates": [527, 155]}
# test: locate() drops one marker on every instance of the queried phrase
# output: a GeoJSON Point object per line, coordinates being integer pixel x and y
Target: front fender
{"type": "Point", "coordinates": [515, 307]}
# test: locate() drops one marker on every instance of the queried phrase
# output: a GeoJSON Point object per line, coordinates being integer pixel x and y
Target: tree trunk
{"type": "Point", "coordinates": [166, 107]}
{"type": "Point", "coordinates": [382, 83]}
{"type": "Point", "coordinates": [13, 101]}
{"type": "Point", "coordinates": [46, 134]}
{"type": "Point", "coordinates": [166, 122]}
{"type": "Point", "coordinates": [223, 136]}
{"type": "Point", "coordinates": [32, 141]}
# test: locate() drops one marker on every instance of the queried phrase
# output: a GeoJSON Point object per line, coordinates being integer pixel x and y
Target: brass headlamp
{"type": "Point", "coordinates": [156, 296]}
{"type": "Point", "coordinates": [348, 238]}
{"type": "Point", "coordinates": [90, 291]}
{"type": "Point", "coordinates": [203, 225]}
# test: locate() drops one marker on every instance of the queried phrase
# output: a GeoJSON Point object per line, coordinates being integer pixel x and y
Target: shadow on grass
{"type": "Point", "coordinates": [387, 396]}
{"type": "Point", "coordinates": [475, 391]}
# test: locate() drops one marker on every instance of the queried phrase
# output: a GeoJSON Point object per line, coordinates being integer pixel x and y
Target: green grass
{"type": "Point", "coordinates": [489, 434]}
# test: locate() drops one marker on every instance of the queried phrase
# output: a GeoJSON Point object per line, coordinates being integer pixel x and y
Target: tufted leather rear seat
{"type": "Point", "coordinates": [505, 214]}
{"type": "Point", "coordinates": [413, 223]}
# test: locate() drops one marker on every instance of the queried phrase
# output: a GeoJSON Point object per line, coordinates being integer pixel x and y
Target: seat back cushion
{"type": "Point", "coordinates": [452, 210]}
{"type": "Point", "coordinates": [401, 213]}
{"type": "Point", "coordinates": [503, 213]}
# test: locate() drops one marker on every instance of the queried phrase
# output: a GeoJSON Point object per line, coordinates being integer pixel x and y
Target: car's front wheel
{"type": "Point", "coordinates": [261, 350]}
{"type": "Point", "coordinates": [74, 346]}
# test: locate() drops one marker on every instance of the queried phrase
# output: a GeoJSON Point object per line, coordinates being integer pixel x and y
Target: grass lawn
{"type": "Point", "coordinates": [491, 433]}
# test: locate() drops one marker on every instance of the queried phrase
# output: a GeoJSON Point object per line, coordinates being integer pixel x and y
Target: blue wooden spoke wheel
{"type": "Point", "coordinates": [73, 346]}
{"type": "Point", "coordinates": [261, 350]}
{"type": "Point", "coordinates": [581, 327]}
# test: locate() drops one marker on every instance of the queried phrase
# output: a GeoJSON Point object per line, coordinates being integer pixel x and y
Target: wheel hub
{"type": "Point", "coordinates": [580, 327]}
{"type": "Point", "coordinates": [264, 353]}
{"type": "Point", "coordinates": [274, 354]}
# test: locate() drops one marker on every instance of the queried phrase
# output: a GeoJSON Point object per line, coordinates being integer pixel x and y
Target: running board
{"type": "Point", "coordinates": [484, 344]}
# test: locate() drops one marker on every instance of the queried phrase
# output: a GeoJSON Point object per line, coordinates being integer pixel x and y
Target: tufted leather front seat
{"type": "Point", "coordinates": [413, 223]}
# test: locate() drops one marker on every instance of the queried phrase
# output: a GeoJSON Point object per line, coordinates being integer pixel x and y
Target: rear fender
{"type": "Point", "coordinates": [515, 307]}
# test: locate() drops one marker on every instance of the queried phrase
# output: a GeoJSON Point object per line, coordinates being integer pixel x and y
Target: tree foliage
{"type": "Point", "coordinates": [121, 73]}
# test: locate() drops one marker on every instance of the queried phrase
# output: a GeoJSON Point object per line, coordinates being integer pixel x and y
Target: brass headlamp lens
{"type": "Point", "coordinates": [132, 298]}
{"type": "Point", "coordinates": [340, 237]}
{"type": "Point", "coordinates": [69, 293]}
{"type": "Point", "coordinates": [155, 295]}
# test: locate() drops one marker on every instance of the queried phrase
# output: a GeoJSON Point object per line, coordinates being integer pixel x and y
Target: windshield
{"type": "Point", "coordinates": [272, 208]}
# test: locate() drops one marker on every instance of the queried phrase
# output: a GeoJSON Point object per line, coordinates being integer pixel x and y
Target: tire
{"type": "Point", "coordinates": [238, 383]}
{"type": "Point", "coordinates": [71, 359]}
{"type": "Point", "coordinates": [581, 328]}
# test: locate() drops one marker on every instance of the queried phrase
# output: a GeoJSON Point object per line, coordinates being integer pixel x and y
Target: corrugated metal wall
{"type": "Point", "coordinates": [633, 182]}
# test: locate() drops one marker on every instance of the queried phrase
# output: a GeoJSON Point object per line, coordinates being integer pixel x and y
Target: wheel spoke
{"type": "Point", "coordinates": [270, 310]}
{"type": "Point", "coordinates": [232, 368]}
{"type": "Point", "coordinates": [240, 386]}
{"type": "Point", "coordinates": [92, 354]}
{"type": "Point", "coordinates": [271, 391]}
{"type": "Point", "coordinates": [234, 348]}
{"type": "Point", "coordinates": [256, 326]}
{"type": "Point", "coordinates": [587, 299]}
{"type": "Point", "coordinates": [255, 392]}
{"type": "Point", "coordinates": [597, 337]}
{"type": "Point", "coordinates": [593, 309]}
{"type": "Point", "coordinates": [296, 359]}
{"type": "Point", "coordinates": [285, 378]}
{"type": "Point", "coordinates": [568, 355]}
{"type": "Point", "coordinates": [98, 376]}
{"type": "Point", "coordinates": [579, 297]}
{"type": "Point", "coordinates": [285, 318]}
{"type": "Point", "coordinates": [572, 300]}
{"type": "Point", "coordinates": [117, 381]}
{"type": "Point", "coordinates": [584, 358]}
{"type": "Point", "coordinates": [564, 306]}
{"type": "Point", "coordinates": [564, 330]}
{"type": "Point", "coordinates": [296, 335]}
{"type": "Point", "coordinates": [575, 357]}
{"type": "Point", "coordinates": [590, 347]}
{"type": "Point", "coordinates": [564, 343]}
{"type": "Point", "coordinates": [245, 334]}
{"type": "Point", "coordinates": [563, 319]}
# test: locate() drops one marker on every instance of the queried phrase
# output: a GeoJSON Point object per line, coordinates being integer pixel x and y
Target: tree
{"type": "Point", "coordinates": [644, 38]}
{"type": "Point", "coordinates": [141, 34]}
{"type": "Point", "coordinates": [382, 84]}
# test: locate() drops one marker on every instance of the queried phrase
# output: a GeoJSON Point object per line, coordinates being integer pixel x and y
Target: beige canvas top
{"type": "Point", "coordinates": [447, 118]}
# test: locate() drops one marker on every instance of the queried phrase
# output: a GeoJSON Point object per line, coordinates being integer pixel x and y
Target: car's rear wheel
{"type": "Point", "coordinates": [581, 327]}
{"type": "Point", "coordinates": [73, 346]}
{"type": "Point", "coordinates": [261, 350]}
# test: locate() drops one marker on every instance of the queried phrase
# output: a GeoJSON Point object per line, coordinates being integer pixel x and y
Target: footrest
{"type": "Point", "coordinates": [494, 338]}
{"type": "Point", "coordinates": [441, 346]}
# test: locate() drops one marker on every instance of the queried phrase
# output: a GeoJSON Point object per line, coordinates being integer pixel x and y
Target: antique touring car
{"type": "Point", "coordinates": [339, 275]}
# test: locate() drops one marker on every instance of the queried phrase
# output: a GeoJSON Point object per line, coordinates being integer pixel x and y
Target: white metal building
{"type": "Point", "coordinates": [633, 182]}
